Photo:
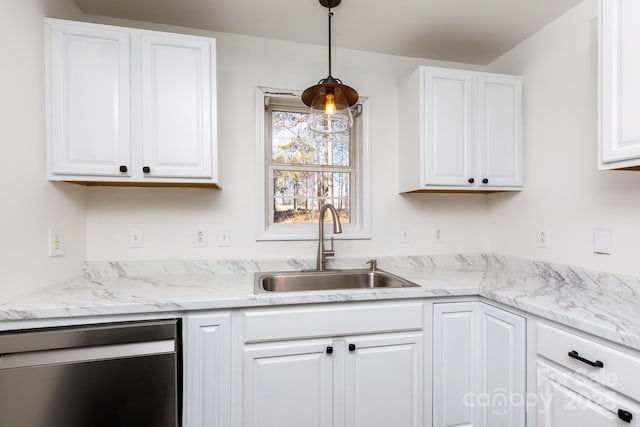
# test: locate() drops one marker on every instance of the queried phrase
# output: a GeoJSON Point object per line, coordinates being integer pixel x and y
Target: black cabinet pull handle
{"type": "Point", "coordinates": [123, 169]}
{"type": "Point", "coordinates": [485, 180]}
{"type": "Point", "coordinates": [329, 349]}
{"type": "Point", "coordinates": [352, 347]}
{"type": "Point", "coordinates": [576, 355]}
{"type": "Point", "coordinates": [471, 180]}
{"type": "Point", "coordinates": [625, 416]}
{"type": "Point", "coordinates": [146, 169]}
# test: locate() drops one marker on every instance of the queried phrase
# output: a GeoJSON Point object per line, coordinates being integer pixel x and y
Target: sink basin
{"type": "Point", "coordinates": [296, 281]}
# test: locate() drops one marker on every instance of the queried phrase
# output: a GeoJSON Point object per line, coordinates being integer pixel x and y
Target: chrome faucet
{"type": "Point", "coordinates": [321, 262]}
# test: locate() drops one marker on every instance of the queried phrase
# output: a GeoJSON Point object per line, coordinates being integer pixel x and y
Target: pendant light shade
{"type": "Point", "coordinates": [330, 100]}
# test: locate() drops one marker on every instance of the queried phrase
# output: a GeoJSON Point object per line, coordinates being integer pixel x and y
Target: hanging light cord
{"type": "Point", "coordinates": [330, 16]}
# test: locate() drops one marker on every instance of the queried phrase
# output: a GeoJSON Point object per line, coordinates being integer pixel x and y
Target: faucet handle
{"type": "Point", "coordinates": [374, 264]}
{"type": "Point", "coordinates": [329, 252]}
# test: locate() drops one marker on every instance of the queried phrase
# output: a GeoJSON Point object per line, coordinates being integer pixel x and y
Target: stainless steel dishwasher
{"type": "Point", "coordinates": [115, 375]}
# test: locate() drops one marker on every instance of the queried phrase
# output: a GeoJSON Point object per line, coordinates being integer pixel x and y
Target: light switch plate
{"type": "Point", "coordinates": [224, 237]}
{"type": "Point", "coordinates": [136, 237]}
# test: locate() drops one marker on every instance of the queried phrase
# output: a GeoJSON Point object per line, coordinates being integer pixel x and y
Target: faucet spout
{"type": "Point", "coordinates": [321, 261]}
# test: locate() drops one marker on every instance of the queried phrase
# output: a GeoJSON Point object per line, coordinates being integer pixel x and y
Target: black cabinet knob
{"type": "Point", "coordinates": [471, 180]}
{"type": "Point", "coordinates": [123, 168]}
{"type": "Point", "coordinates": [146, 169]}
{"type": "Point", "coordinates": [352, 347]}
{"type": "Point", "coordinates": [329, 349]}
{"type": "Point", "coordinates": [625, 416]}
{"type": "Point", "coordinates": [485, 180]}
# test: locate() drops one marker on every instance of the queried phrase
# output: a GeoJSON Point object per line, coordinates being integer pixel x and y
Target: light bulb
{"type": "Point", "coordinates": [330, 103]}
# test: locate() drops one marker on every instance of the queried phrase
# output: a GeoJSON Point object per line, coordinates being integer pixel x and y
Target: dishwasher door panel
{"type": "Point", "coordinates": [138, 391]}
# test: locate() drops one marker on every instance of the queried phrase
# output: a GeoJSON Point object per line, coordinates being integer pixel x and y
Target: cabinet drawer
{"type": "Point", "coordinates": [330, 320]}
{"type": "Point", "coordinates": [620, 371]}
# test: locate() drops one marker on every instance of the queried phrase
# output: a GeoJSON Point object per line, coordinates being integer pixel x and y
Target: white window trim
{"type": "Point", "coordinates": [359, 228]}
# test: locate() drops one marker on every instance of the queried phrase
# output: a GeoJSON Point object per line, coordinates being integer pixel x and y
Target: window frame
{"type": "Point", "coordinates": [360, 225]}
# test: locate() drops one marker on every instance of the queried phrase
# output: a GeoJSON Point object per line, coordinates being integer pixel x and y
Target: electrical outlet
{"type": "Point", "coordinates": [56, 243]}
{"type": "Point", "coordinates": [224, 237]}
{"type": "Point", "coordinates": [200, 238]}
{"type": "Point", "coordinates": [405, 236]}
{"type": "Point", "coordinates": [436, 235]}
{"type": "Point", "coordinates": [136, 237]}
{"type": "Point", "coordinates": [543, 238]}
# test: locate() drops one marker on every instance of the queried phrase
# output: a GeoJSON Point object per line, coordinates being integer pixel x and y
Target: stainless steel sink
{"type": "Point", "coordinates": [296, 281]}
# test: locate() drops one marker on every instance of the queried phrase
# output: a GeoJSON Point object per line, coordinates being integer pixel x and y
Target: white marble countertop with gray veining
{"type": "Point", "coordinates": [603, 304]}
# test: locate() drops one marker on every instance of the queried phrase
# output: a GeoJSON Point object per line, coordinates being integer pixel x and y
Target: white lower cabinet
{"type": "Point", "coordinates": [479, 366]}
{"type": "Point", "coordinates": [207, 370]}
{"type": "Point", "coordinates": [374, 364]}
{"type": "Point", "coordinates": [337, 365]}
{"type": "Point", "coordinates": [289, 384]}
{"type": "Point", "coordinates": [566, 400]}
{"type": "Point", "coordinates": [361, 381]}
{"type": "Point", "coordinates": [383, 381]}
{"type": "Point", "coordinates": [583, 382]}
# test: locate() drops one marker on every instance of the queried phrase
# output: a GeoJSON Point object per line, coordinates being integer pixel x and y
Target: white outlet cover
{"type": "Point", "coordinates": [436, 235]}
{"type": "Point", "coordinates": [56, 242]}
{"type": "Point", "coordinates": [543, 238]}
{"type": "Point", "coordinates": [200, 237]}
{"type": "Point", "coordinates": [602, 241]}
{"type": "Point", "coordinates": [405, 236]}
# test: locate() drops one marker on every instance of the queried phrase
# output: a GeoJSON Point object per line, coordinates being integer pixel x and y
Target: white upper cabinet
{"type": "Point", "coordinates": [130, 107]}
{"type": "Point", "coordinates": [460, 131]}
{"type": "Point", "coordinates": [89, 100]}
{"type": "Point", "coordinates": [619, 138]}
{"type": "Point", "coordinates": [499, 130]}
{"type": "Point", "coordinates": [176, 106]}
{"type": "Point", "coordinates": [448, 129]}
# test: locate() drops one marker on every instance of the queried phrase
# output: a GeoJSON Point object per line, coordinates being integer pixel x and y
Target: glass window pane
{"type": "Point", "coordinates": [298, 196]}
{"type": "Point", "coordinates": [292, 142]}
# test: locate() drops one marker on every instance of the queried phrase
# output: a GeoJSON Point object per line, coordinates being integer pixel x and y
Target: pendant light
{"type": "Point", "coordinates": [330, 100]}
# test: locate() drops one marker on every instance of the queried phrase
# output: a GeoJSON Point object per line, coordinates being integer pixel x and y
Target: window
{"type": "Point", "coordinates": [301, 170]}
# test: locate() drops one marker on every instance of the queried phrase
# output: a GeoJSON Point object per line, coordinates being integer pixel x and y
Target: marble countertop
{"type": "Point", "coordinates": [603, 304]}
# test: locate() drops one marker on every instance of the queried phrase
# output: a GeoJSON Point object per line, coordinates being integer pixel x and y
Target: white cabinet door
{"type": "Point", "coordinates": [455, 370]}
{"type": "Point", "coordinates": [502, 368]}
{"type": "Point", "coordinates": [130, 107]}
{"type": "Point", "coordinates": [619, 84]}
{"type": "Point", "coordinates": [207, 360]}
{"type": "Point", "coordinates": [177, 116]}
{"type": "Point", "coordinates": [87, 100]}
{"type": "Point", "coordinates": [448, 127]}
{"type": "Point", "coordinates": [383, 384]}
{"type": "Point", "coordinates": [500, 133]}
{"type": "Point", "coordinates": [289, 384]}
{"type": "Point", "coordinates": [571, 401]}
{"type": "Point", "coordinates": [478, 366]}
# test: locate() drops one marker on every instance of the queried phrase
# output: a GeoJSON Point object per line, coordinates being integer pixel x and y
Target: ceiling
{"type": "Point", "coordinates": [469, 31]}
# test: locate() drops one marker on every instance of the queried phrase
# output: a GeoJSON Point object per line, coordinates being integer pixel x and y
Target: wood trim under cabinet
{"type": "Point", "coordinates": [146, 184]}
{"type": "Point", "coordinates": [457, 191]}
